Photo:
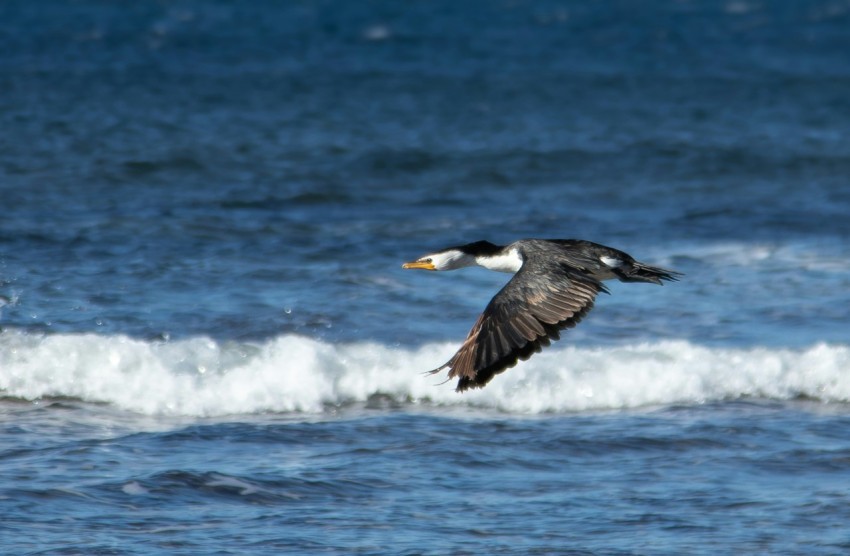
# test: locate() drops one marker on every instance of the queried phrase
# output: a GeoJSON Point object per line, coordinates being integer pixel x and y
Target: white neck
{"type": "Point", "coordinates": [509, 261]}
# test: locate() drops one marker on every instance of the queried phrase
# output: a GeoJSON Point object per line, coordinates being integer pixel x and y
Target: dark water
{"type": "Point", "coordinates": [207, 344]}
{"type": "Point", "coordinates": [747, 477]}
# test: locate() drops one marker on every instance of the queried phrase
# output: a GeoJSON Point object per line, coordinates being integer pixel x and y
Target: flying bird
{"type": "Point", "coordinates": [554, 286]}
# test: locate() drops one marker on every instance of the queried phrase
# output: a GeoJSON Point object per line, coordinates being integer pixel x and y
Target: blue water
{"type": "Point", "coordinates": [208, 345]}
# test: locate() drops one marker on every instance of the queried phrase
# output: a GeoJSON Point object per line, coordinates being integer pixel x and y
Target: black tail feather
{"type": "Point", "coordinates": [639, 272]}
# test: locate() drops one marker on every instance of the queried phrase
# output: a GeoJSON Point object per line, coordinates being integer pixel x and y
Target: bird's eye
{"type": "Point", "coordinates": [426, 260]}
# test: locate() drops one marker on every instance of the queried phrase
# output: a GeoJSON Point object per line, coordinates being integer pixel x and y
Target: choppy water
{"type": "Point", "coordinates": [207, 344]}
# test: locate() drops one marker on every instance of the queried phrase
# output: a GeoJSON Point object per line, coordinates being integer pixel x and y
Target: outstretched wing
{"type": "Point", "coordinates": [523, 318]}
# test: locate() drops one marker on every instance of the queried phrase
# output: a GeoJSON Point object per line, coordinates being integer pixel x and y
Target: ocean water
{"type": "Point", "coordinates": [208, 345]}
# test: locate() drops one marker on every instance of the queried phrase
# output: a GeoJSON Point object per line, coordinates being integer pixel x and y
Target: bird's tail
{"type": "Point", "coordinates": [639, 272]}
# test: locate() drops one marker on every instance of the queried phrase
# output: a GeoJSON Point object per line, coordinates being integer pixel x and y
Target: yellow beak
{"type": "Point", "coordinates": [419, 264]}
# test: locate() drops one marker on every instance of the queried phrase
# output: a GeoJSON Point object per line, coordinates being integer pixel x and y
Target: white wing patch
{"type": "Point", "coordinates": [611, 262]}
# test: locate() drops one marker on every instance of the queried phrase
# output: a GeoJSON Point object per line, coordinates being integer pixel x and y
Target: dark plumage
{"type": "Point", "coordinates": [554, 287]}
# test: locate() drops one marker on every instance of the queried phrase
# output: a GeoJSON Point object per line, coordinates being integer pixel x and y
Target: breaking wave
{"type": "Point", "coordinates": [204, 377]}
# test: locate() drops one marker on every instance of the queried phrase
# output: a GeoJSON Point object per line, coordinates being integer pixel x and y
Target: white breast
{"type": "Point", "coordinates": [507, 262]}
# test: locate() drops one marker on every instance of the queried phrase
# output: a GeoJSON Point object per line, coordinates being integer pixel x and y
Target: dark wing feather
{"type": "Point", "coordinates": [524, 317]}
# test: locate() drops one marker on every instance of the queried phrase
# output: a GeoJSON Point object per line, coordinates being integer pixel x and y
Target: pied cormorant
{"type": "Point", "coordinates": [554, 286]}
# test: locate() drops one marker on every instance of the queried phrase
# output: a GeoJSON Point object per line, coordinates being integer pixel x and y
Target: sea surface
{"type": "Point", "coordinates": [208, 344]}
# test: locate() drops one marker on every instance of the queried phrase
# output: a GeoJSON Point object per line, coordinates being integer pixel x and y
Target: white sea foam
{"type": "Point", "coordinates": [296, 374]}
{"type": "Point", "coordinates": [827, 258]}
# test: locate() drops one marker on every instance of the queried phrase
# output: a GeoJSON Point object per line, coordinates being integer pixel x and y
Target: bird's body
{"type": "Point", "coordinates": [555, 284]}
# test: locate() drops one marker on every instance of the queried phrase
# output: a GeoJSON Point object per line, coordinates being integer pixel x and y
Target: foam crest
{"type": "Point", "coordinates": [202, 377]}
{"type": "Point", "coordinates": [830, 258]}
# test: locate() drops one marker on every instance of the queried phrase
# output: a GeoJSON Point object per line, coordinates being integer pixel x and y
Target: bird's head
{"type": "Point", "coordinates": [447, 259]}
{"type": "Point", "coordinates": [453, 257]}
